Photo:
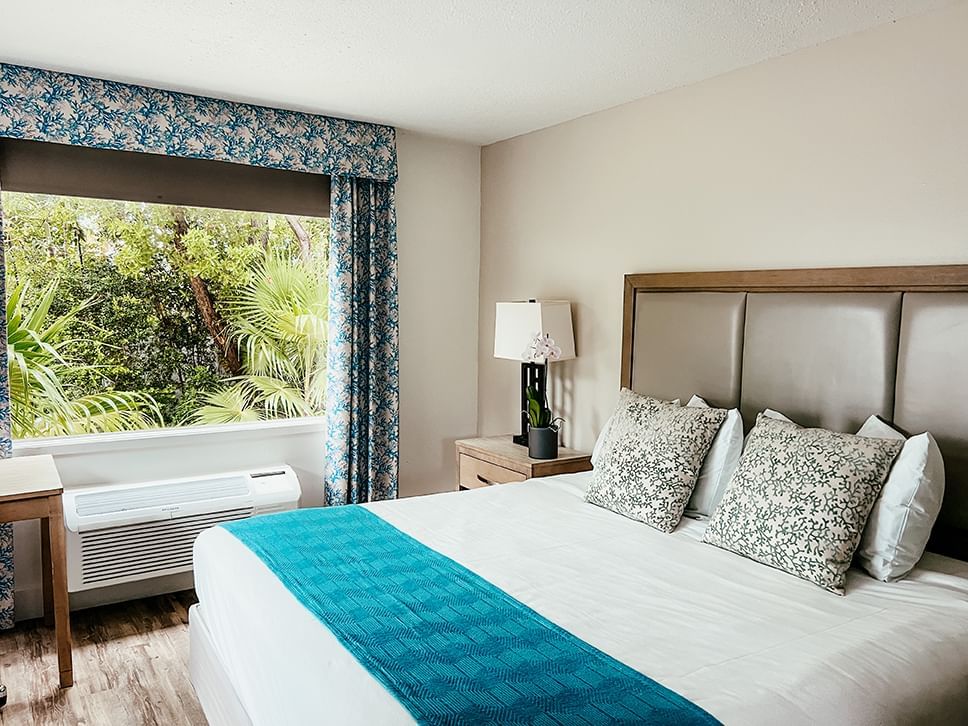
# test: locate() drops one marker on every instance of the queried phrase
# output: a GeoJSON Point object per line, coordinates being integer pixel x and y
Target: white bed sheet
{"type": "Point", "coordinates": [749, 644]}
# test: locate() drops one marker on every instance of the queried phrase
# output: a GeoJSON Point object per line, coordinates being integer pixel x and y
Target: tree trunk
{"type": "Point", "coordinates": [261, 233]}
{"type": "Point", "coordinates": [297, 228]}
{"type": "Point", "coordinates": [206, 307]}
{"type": "Point", "coordinates": [79, 243]}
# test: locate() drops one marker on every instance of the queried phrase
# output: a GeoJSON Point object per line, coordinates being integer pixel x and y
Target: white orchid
{"type": "Point", "coordinates": [542, 350]}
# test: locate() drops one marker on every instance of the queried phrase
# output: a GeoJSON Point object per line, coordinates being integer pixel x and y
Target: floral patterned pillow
{"type": "Point", "coordinates": [650, 459]}
{"type": "Point", "coordinates": [800, 498]}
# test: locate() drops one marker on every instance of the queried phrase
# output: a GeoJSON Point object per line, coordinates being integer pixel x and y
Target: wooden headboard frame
{"type": "Point", "coordinates": [928, 278]}
{"type": "Point", "coordinates": [915, 279]}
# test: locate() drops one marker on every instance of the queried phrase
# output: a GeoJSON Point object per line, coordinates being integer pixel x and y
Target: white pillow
{"type": "Point", "coordinates": [720, 462]}
{"type": "Point", "coordinates": [600, 441]}
{"type": "Point", "coordinates": [603, 435]}
{"type": "Point", "coordinates": [900, 522]}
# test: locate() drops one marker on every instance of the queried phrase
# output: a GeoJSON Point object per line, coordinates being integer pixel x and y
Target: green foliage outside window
{"type": "Point", "coordinates": [137, 315]}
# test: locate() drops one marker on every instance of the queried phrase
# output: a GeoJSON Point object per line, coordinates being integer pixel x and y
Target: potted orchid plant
{"type": "Point", "coordinates": [543, 426]}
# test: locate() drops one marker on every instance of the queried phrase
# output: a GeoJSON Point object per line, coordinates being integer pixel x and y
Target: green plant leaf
{"type": "Point", "coordinates": [38, 366]}
{"type": "Point", "coordinates": [279, 321]}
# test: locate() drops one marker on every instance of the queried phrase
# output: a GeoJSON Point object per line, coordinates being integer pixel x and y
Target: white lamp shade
{"type": "Point", "coordinates": [517, 323]}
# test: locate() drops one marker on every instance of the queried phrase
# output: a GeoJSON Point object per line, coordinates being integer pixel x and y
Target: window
{"type": "Point", "coordinates": [126, 314]}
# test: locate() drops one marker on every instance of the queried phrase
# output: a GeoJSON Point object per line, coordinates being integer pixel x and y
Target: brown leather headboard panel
{"type": "Point", "coordinates": [827, 347]}
{"type": "Point", "coordinates": [823, 359]}
{"type": "Point", "coordinates": [704, 328]}
{"type": "Point", "coordinates": [932, 389]}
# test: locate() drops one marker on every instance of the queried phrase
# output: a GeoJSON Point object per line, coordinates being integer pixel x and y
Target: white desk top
{"type": "Point", "coordinates": [22, 476]}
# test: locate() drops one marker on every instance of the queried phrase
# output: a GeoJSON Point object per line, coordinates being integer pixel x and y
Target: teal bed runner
{"type": "Point", "coordinates": [451, 647]}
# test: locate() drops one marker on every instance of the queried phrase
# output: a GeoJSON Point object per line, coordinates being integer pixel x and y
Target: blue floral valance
{"type": "Point", "coordinates": [61, 108]}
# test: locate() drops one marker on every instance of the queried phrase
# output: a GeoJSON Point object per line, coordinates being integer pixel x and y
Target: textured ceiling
{"type": "Point", "coordinates": [477, 70]}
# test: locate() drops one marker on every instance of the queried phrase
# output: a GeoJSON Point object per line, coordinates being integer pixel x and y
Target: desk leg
{"type": "Point", "coordinates": [58, 575]}
{"type": "Point", "coordinates": [45, 564]}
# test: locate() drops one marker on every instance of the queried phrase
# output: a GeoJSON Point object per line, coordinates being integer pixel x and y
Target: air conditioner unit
{"type": "Point", "coordinates": [126, 532]}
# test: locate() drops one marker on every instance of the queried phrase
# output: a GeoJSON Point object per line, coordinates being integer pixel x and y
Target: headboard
{"type": "Point", "coordinates": [827, 347]}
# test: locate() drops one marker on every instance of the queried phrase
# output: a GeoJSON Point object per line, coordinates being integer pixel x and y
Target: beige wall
{"type": "Point", "coordinates": [851, 153]}
{"type": "Point", "coordinates": [438, 230]}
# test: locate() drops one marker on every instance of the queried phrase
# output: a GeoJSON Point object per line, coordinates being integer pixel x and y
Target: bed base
{"type": "Point", "coordinates": [214, 688]}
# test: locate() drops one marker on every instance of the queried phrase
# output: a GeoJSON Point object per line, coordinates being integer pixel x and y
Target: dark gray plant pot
{"type": "Point", "coordinates": [543, 443]}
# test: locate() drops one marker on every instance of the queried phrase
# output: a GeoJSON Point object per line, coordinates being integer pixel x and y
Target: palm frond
{"type": "Point", "coordinates": [229, 405]}
{"type": "Point", "coordinates": [277, 397]}
{"type": "Point", "coordinates": [279, 323]}
{"type": "Point", "coordinates": [38, 366]}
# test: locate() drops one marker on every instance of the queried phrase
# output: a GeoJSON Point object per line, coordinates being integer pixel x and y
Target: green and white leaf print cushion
{"type": "Point", "coordinates": [649, 462]}
{"type": "Point", "coordinates": [800, 499]}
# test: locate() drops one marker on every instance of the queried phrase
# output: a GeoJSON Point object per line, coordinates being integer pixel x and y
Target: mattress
{"type": "Point", "coordinates": [747, 643]}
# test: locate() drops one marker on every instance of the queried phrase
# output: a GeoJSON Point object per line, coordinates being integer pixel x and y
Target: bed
{"type": "Point", "coordinates": [746, 643]}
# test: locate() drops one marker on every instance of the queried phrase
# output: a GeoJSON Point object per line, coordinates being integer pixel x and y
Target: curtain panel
{"type": "Point", "coordinates": [361, 159]}
{"type": "Point", "coordinates": [6, 447]}
{"type": "Point", "coordinates": [362, 393]}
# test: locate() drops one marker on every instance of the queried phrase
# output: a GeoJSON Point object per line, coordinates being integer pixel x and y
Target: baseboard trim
{"type": "Point", "coordinates": [29, 599]}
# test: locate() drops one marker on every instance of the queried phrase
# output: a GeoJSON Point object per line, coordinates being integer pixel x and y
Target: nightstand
{"type": "Point", "coordinates": [498, 460]}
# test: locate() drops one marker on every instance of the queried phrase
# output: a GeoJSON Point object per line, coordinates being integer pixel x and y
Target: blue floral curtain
{"type": "Point", "coordinates": [6, 447]}
{"type": "Point", "coordinates": [361, 158]}
{"type": "Point", "coordinates": [362, 396]}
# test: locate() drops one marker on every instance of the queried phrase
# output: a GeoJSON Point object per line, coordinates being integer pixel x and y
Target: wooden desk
{"type": "Point", "coordinates": [30, 488]}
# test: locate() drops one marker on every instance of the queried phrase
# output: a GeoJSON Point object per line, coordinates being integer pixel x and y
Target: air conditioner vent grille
{"type": "Point", "coordinates": [146, 549]}
{"type": "Point", "coordinates": [160, 495]}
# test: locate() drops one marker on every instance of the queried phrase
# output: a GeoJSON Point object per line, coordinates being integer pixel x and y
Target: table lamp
{"type": "Point", "coordinates": [534, 332]}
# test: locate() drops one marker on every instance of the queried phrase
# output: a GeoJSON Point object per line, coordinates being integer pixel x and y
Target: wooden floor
{"type": "Point", "coordinates": [130, 668]}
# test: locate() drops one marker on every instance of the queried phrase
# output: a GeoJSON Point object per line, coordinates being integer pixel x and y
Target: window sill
{"type": "Point", "coordinates": [148, 438]}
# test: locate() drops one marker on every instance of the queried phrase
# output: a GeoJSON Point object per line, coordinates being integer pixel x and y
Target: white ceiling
{"type": "Point", "coordinates": [476, 70]}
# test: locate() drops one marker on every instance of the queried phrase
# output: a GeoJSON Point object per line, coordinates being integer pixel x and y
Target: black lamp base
{"type": "Point", "coordinates": [532, 374]}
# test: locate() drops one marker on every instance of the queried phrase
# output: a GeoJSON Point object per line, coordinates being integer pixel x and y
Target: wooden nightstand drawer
{"type": "Point", "coordinates": [497, 460]}
{"type": "Point", "coordinates": [475, 473]}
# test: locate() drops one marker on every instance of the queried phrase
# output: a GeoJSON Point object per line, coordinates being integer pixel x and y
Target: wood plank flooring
{"type": "Point", "coordinates": [130, 668]}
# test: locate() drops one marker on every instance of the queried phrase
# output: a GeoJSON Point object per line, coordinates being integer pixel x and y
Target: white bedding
{"type": "Point", "coordinates": [749, 644]}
